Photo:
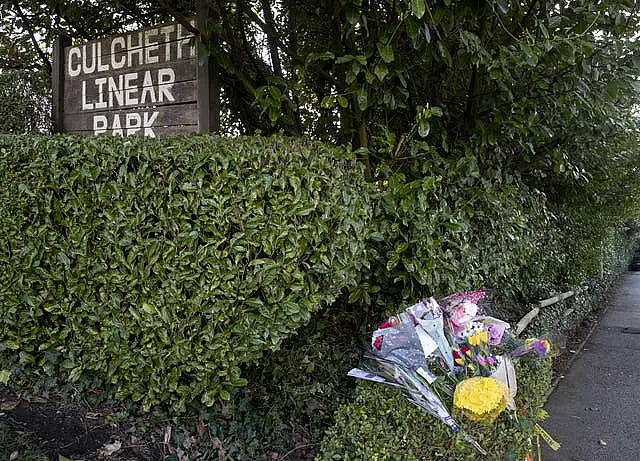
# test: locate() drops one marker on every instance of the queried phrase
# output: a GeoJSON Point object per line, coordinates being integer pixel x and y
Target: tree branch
{"type": "Point", "coordinates": [36, 45]}
{"type": "Point", "coordinates": [182, 19]}
{"type": "Point", "coordinates": [273, 35]}
{"type": "Point", "coordinates": [273, 49]}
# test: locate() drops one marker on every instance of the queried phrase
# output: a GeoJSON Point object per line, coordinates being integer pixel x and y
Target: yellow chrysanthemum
{"type": "Point", "coordinates": [480, 398]}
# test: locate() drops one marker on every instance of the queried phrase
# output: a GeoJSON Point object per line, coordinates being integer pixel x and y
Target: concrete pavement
{"type": "Point", "coordinates": [594, 412]}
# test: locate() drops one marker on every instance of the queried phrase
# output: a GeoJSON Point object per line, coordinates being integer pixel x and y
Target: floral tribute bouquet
{"type": "Point", "coordinates": [449, 347]}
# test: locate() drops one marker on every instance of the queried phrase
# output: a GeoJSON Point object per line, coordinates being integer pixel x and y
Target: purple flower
{"type": "Point", "coordinates": [495, 329]}
{"type": "Point", "coordinates": [540, 347]}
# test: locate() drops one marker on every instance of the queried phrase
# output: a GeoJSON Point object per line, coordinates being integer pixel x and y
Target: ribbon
{"type": "Point", "coordinates": [555, 446]}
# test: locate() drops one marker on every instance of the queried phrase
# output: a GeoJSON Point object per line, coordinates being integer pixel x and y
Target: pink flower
{"type": "Point", "coordinates": [464, 312]}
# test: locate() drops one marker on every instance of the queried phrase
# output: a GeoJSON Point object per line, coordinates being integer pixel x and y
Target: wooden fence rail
{"type": "Point", "coordinates": [528, 318]}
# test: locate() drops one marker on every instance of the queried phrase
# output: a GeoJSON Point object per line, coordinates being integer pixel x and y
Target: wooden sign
{"type": "Point", "coordinates": [143, 83]}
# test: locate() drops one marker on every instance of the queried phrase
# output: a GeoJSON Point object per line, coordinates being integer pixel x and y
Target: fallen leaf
{"type": "Point", "coordinates": [108, 449]}
{"type": "Point", "coordinates": [200, 428]}
{"type": "Point", "coordinates": [313, 405]}
{"type": "Point", "coordinates": [13, 456]}
{"type": "Point", "coordinates": [217, 444]}
{"type": "Point", "coordinates": [9, 405]}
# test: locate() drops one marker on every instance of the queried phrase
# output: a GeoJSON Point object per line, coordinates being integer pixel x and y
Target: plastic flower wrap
{"type": "Point", "coordinates": [539, 347]}
{"type": "Point", "coordinates": [449, 348]}
{"type": "Point", "coordinates": [402, 349]}
{"type": "Point", "coordinates": [506, 374]}
{"type": "Point", "coordinates": [480, 398]}
{"type": "Point", "coordinates": [430, 320]}
{"type": "Point", "coordinates": [495, 329]}
{"type": "Point", "coordinates": [461, 309]}
{"type": "Point", "coordinates": [466, 314]}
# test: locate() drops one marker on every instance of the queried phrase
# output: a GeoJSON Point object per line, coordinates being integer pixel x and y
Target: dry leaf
{"type": "Point", "coordinates": [200, 427]}
{"type": "Point", "coordinates": [9, 405]}
{"type": "Point", "coordinates": [167, 435]}
{"type": "Point", "coordinates": [217, 444]}
{"type": "Point", "coordinates": [108, 449]}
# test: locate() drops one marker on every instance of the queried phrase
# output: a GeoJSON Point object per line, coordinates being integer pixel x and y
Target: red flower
{"type": "Point", "coordinates": [385, 324]}
{"type": "Point", "coordinates": [464, 350]}
{"type": "Point", "coordinates": [377, 343]}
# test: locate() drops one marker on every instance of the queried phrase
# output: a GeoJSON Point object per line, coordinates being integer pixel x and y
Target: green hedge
{"type": "Point", "coordinates": [379, 425]}
{"type": "Point", "coordinates": [455, 229]}
{"type": "Point", "coordinates": [158, 268]}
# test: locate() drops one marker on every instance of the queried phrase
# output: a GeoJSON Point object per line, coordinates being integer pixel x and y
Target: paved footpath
{"type": "Point", "coordinates": [595, 411]}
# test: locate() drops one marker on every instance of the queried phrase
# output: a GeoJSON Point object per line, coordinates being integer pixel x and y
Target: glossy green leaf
{"type": "Point", "coordinates": [418, 8]}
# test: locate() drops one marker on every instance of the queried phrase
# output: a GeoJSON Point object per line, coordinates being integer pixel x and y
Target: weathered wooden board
{"type": "Point", "coordinates": [141, 83]}
{"type": "Point", "coordinates": [159, 131]}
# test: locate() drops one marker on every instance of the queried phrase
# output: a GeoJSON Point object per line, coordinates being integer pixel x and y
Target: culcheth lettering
{"type": "Point", "coordinates": [160, 45]}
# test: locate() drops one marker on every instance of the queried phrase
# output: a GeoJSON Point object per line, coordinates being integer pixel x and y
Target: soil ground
{"type": "Point", "coordinates": [49, 429]}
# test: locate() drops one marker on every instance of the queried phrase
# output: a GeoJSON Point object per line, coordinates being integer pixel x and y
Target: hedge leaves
{"type": "Point", "coordinates": [158, 268]}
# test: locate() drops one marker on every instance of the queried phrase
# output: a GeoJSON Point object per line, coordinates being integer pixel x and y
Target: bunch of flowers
{"type": "Point", "coordinates": [480, 399]}
{"type": "Point", "coordinates": [540, 347]}
{"type": "Point", "coordinates": [449, 347]}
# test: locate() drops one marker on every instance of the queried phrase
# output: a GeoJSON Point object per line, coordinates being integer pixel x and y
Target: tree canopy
{"type": "Point", "coordinates": [527, 86]}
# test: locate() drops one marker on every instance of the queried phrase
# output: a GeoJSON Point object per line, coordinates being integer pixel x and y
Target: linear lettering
{"type": "Point", "coordinates": [85, 104]}
{"type": "Point", "coordinates": [100, 83]}
{"type": "Point", "coordinates": [116, 90]}
{"type": "Point", "coordinates": [164, 86]}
